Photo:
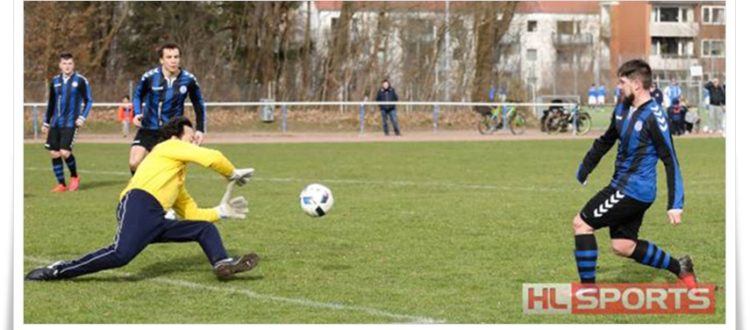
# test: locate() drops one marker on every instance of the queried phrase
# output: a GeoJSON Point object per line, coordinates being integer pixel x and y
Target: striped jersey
{"type": "Point", "coordinates": [644, 138]}
{"type": "Point", "coordinates": [159, 99]}
{"type": "Point", "coordinates": [66, 95]}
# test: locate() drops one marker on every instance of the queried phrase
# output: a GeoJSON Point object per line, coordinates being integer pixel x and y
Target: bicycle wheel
{"type": "Point", "coordinates": [583, 123]}
{"type": "Point", "coordinates": [517, 124]}
{"type": "Point", "coordinates": [553, 125]}
{"type": "Point", "coordinates": [486, 125]}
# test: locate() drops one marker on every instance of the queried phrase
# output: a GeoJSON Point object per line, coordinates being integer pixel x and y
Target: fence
{"type": "Point", "coordinates": [250, 116]}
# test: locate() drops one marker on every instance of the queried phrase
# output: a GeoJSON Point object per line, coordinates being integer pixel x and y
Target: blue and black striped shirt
{"type": "Point", "coordinates": [644, 138]}
{"type": "Point", "coordinates": [66, 94]}
{"type": "Point", "coordinates": [159, 100]}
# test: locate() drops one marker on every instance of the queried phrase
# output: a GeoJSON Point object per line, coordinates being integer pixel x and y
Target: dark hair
{"type": "Point", "coordinates": [169, 45]}
{"type": "Point", "coordinates": [66, 56]}
{"type": "Point", "coordinates": [636, 69]}
{"type": "Point", "coordinates": [126, 97]}
{"type": "Point", "coordinates": [174, 127]}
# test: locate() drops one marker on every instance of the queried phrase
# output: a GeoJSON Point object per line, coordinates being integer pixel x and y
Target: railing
{"type": "Point", "coordinates": [285, 106]}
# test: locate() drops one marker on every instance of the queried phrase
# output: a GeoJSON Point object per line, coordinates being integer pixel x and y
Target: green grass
{"type": "Point", "coordinates": [446, 231]}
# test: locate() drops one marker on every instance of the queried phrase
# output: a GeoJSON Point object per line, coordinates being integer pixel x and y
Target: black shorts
{"type": "Point", "coordinates": [611, 208]}
{"type": "Point", "coordinates": [146, 138]}
{"type": "Point", "coordinates": [61, 138]}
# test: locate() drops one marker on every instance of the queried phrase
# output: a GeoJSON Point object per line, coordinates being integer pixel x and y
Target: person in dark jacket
{"type": "Point", "coordinates": [386, 93]}
{"type": "Point", "coordinates": [716, 103]}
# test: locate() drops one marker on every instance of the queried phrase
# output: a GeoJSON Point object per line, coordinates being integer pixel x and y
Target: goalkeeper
{"type": "Point", "coordinates": [158, 185]}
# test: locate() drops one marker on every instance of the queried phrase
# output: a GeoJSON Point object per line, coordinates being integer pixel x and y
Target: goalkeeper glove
{"type": "Point", "coordinates": [236, 208]}
{"type": "Point", "coordinates": [242, 175]}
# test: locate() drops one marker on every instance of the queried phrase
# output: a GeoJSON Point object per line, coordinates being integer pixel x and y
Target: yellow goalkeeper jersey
{"type": "Point", "coordinates": [162, 174]}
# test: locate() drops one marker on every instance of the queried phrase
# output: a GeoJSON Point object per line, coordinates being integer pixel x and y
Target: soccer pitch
{"type": "Point", "coordinates": [420, 232]}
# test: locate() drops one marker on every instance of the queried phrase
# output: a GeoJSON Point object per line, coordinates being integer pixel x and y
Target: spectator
{"type": "Point", "coordinates": [592, 95]}
{"type": "Point", "coordinates": [673, 93]}
{"type": "Point", "coordinates": [618, 92]}
{"type": "Point", "coordinates": [677, 118]}
{"type": "Point", "coordinates": [388, 94]}
{"type": "Point", "coordinates": [716, 105]}
{"type": "Point", "coordinates": [656, 94]}
{"type": "Point", "coordinates": [601, 94]}
{"type": "Point", "coordinates": [125, 115]}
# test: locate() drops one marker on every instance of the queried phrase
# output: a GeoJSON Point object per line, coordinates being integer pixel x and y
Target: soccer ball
{"type": "Point", "coordinates": [316, 200]}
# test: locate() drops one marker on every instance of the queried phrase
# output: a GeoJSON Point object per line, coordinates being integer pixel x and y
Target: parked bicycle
{"type": "Point", "coordinates": [559, 120]}
{"type": "Point", "coordinates": [493, 120]}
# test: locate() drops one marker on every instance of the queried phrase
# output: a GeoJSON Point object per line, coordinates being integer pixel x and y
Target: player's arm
{"type": "Point", "coordinates": [199, 105]}
{"type": "Point", "coordinates": [51, 104]}
{"type": "Point", "coordinates": [141, 89]}
{"type": "Point", "coordinates": [209, 158]}
{"type": "Point", "coordinates": [85, 90]}
{"type": "Point", "coordinates": [659, 130]}
{"type": "Point", "coordinates": [187, 209]}
{"type": "Point", "coordinates": [600, 148]}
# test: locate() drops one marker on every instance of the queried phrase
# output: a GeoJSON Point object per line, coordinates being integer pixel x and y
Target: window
{"type": "Point", "coordinates": [712, 48]}
{"type": "Point", "coordinates": [713, 15]}
{"type": "Point", "coordinates": [672, 47]}
{"type": "Point", "coordinates": [566, 27]}
{"type": "Point", "coordinates": [531, 26]}
{"type": "Point", "coordinates": [672, 14]}
{"type": "Point", "coordinates": [531, 54]}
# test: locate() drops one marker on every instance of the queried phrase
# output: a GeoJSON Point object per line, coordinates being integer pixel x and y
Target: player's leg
{"type": "Point", "coordinates": [137, 154]}
{"type": "Point", "coordinates": [67, 139]}
{"type": "Point", "coordinates": [139, 222]}
{"type": "Point", "coordinates": [53, 145]}
{"type": "Point", "coordinates": [206, 234]}
{"type": "Point", "coordinates": [584, 224]}
{"type": "Point", "coordinates": [384, 116]}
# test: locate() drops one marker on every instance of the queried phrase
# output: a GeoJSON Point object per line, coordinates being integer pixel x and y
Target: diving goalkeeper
{"type": "Point", "coordinates": [158, 185]}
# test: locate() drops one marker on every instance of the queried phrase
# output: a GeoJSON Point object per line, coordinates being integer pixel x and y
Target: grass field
{"type": "Point", "coordinates": [420, 232]}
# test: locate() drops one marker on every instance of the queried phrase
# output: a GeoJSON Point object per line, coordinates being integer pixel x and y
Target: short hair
{"type": "Point", "coordinates": [66, 56]}
{"type": "Point", "coordinates": [169, 45]}
{"type": "Point", "coordinates": [174, 127]}
{"type": "Point", "coordinates": [636, 69]}
{"type": "Point", "coordinates": [126, 97]}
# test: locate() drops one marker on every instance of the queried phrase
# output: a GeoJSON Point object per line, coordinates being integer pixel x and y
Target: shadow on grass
{"type": "Point", "coordinates": [90, 185]}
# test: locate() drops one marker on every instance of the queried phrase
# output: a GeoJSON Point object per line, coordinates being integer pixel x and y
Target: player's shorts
{"type": "Point", "coordinates": [146, 138]}
{"type": "Point", "coordinates": [600, 99]}
{"type": "Point", "coordinates": [611, 208]}
{"type": "Point", "coordinates": [61, 138]}
{"type": "Point", "coordinates": [592, 100]}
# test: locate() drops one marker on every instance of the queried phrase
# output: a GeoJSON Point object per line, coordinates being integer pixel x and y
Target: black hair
{"type": "Point", "coordinates": [174, 127]}
{"type": "Point", "coordinates": [66, 56]}
{"type": "Point", "coordinates": [169, 45]}
{"type": "Point", "coordinates": [636, 69]}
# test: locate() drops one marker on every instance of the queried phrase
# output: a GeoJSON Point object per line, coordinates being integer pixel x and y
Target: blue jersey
{"type": "Point", "coordinates": [592, 91]}
{"type": "Point", "coordinates": [159, 100]}
{"type": "Point", "coordinates": [66, 95]}
{"type": "Point", "coordinates": [644, 138]}
{"type": "Point", "coordinates": [601, 91]}
{"type": "Point", "coordinates": [673, 93]}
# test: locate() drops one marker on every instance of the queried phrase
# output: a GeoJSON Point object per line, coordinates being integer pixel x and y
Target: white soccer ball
{"type": "Point", "coordinates": [316, 200]}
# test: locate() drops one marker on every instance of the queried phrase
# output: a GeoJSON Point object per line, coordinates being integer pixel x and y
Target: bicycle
{"type": "Point", "coordinates": [560, 120]}
{"type": "Point", "coordinates": [493, 121]}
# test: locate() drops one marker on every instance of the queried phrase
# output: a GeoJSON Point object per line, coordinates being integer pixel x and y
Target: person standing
{"type": "Point", "coordinates": [64, 116]}
{"type": "Point", "coordinates": [716, 105]}
{"type": "Point", "coordinates": [125, 115]}
{"type": "Point", "coordinates": [388, 110]}
{"type": "Point", "coordinates": [592, 95]}
{"type": "Point", "coordinates": [673, 92]}
{"type": "Point", "coordinates": [159, 96]}
{"type": "Point", "coordinates": [601, 95]}
{"type": "Point", "coordinates": [656, 94]}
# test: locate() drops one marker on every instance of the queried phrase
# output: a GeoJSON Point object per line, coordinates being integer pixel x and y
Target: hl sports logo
{"type": "Point", "coordinates": [632, 298]}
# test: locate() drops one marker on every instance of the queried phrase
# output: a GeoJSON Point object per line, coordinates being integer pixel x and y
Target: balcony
{"type": "Point", "coordinates": [510, 39]}
{"type": "Point", "coordinates": [671, 62]}
{"type": "Point", "coordinates": [674, 29]}
{"type": "Point", "coordinates": [571, 40]}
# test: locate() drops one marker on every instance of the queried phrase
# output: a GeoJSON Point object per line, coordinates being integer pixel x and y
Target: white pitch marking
{"type": "Point", "coordinates": [267, 297]}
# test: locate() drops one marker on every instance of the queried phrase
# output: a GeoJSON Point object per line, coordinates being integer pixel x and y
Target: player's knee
{"type": "Point", "coordinates": [122, 258]}
{"type": "Point", "coordinates": [54, 153]}
{"type": "Point", "coordinates": [134, 162]}
{"type": "Point", "coordinates": [64, 153]}
{"type": "Point", "coordinates": [623, 248]}
{"type": "Point", "coordinates": [580, 226]}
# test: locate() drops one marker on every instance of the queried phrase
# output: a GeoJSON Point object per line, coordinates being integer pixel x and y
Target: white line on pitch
{"type": "Point", "coordinates": [267, 297]}
{"type": "Point", "coordinates": [437, 184]}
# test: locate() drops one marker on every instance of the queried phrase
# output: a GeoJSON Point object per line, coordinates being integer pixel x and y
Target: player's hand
{"type": "Point", "coordinates": [45, 129]}
{"type": "Point", "coordinates": [198, 138]}
{"type": "Point", "coordinates": [137, 120]}
{"type": "Point", "coordinates": [79, 122]}
{"type": "Point", "coordinates": [242, 175]}
{"type": "Point", "coordinates": [675, 216]}
{"type": "Point", "coordinates": [235, 208]}
{"type": "Point", "coordinates": [582, 175]}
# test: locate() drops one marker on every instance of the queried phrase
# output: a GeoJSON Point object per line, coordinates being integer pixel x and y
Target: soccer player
{"type": "Point", "coordinates": [159, 184]}
{"type": "Point", "coordinates": [159, 96]}
{"type": "Point", "coordinates": [63, 118]}
{"type": "Point", "coordinates": [640, 124]}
